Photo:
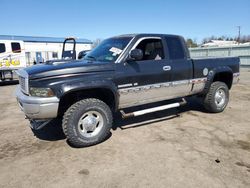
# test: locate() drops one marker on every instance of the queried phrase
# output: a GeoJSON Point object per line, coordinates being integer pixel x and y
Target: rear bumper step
{"type": "Point", "coordinates": [154, 109]}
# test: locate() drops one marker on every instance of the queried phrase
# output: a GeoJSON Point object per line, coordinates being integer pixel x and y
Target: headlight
{"type": "Point", "coordinates": [41, 92]}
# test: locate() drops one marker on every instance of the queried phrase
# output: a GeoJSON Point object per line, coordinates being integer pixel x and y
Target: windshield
{"type": "Point", "coordinates": [108, 50]}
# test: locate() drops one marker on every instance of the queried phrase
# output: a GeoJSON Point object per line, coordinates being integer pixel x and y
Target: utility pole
{"type": "Point", "coordinates": [239, 28]}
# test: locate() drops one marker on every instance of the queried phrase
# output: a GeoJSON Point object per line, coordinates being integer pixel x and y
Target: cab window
{"type": "Point", "coordinates": [152, 49]}
{"type": "Point", "coordinates": [175, 48]}
{"type": "Point", "coordinates": [16, 48]}
{"type": "Point", "coordinates": [2, 48]}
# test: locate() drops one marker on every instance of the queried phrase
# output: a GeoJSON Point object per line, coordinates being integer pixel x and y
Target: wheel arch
{"type": "Point", "coordinates": [103, 93]}
{"type": "Point", "coordinates": [222, 74]}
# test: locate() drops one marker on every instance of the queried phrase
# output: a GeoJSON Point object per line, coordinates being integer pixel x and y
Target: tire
{"type": "Point", "coordinates": [217, 97]}
{"type": "Point", "coordinates": [87, 122]}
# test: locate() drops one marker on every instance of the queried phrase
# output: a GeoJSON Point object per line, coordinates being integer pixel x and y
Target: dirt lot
{"type": "Point", "coordinates": [177, 148]}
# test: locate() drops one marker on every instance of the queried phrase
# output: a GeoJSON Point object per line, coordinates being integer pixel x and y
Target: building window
{"type": "Point", "coordinates": [2, 47]}
{"type": "Point", "coordinates": [54, 55]}
{"type": "Point", "coordinates": [15, 46]}
{"type": "Point", "coordinates": [28, 58]}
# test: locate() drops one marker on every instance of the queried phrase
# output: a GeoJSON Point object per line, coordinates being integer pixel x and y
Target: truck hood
{"type": "Point", "coordinates": [58, 68]}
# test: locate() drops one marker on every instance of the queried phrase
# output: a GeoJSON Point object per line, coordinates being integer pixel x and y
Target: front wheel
{"type": "Point", "coordinates": [217, 97]}
{"type": "Point", "coordinates": [87, 122]}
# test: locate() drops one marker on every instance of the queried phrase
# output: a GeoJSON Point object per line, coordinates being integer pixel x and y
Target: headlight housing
{"type": "Point", "coordinates": [41, 92]}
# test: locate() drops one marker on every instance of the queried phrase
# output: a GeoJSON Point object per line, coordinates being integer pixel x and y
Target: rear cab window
{"type": "Point", "coordinates": [16, 47]}
{"type": "Point", "coordinates": [2, 48]}
{"type": "Point", "coordinates": [175, 48]}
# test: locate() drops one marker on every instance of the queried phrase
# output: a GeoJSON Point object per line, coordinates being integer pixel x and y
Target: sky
{"type": "Point", "coordinates": [92, 19]}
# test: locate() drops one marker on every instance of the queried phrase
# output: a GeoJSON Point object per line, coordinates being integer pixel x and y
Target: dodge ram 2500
{"type": "Point", "coordinates": [121, 72]}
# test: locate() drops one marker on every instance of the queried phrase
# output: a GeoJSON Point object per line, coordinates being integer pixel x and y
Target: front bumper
{"type": "Point", "coordinates": [37, 108]}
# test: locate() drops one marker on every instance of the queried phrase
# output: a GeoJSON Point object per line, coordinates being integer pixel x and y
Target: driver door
{"type": "Point", "coordinates": [140, 82]}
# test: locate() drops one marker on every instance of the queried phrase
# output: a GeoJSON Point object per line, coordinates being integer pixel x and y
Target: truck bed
{"type": "Point", "coordinates": [209, 63]}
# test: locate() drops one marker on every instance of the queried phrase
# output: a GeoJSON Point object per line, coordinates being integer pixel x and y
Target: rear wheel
{"type": "Point", "coordinates": [217, 97]}
{"type": "Point", "coordinates": [87, 122]}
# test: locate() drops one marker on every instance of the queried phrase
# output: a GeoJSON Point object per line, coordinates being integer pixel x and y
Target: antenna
{"type": "Point", "coordinates": [239, 28]}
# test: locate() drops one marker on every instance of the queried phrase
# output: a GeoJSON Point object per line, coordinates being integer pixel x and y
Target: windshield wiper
{"type": "Point", "coordinates": [90, 57]}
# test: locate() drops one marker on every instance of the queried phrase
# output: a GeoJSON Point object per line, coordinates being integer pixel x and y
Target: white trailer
{"type": "Point", "coordinates": [20, 51]}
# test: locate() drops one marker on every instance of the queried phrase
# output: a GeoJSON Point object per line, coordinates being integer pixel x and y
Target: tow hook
{"type": "Point", "coordinates": [38, 124]}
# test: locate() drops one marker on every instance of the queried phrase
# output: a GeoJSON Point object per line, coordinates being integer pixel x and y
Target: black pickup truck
{"type": "Point", "coordinates": [122, 72]}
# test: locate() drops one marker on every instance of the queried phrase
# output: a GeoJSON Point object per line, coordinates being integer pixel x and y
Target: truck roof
{"type": "Point", "coordinates": [146, 35]}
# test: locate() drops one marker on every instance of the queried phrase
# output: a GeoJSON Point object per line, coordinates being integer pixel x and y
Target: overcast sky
{"type": "Point", "coordinates": [93, 19]}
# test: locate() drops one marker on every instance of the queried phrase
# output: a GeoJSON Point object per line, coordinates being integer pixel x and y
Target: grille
{"type": "Point", "coordinates": [22, 83]}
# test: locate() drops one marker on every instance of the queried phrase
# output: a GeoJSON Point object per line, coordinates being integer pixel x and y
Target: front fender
{"type": "Point", "coordinates": [79, 86]}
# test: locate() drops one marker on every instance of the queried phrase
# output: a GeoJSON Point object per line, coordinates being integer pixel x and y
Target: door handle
{"type": "Point", "coordinates": [166, 68]}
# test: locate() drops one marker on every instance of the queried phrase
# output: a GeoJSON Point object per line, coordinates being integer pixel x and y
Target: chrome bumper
{"type": "Point", "coordinates": [37, 107]}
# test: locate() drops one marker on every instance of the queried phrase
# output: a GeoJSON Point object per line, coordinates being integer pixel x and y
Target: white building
{"type": "Point", "coordinates": [21, 51]}
{"type": "Point", "coordinates": [219, 43]}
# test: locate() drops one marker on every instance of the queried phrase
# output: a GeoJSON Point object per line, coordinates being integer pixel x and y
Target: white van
{"type": "Point", "coordinates": [12, 57]}
{"type": "Point", "coordinates": [22, 51]}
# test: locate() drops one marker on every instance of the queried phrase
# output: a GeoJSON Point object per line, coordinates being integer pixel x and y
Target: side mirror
{"type": "Point", "coordinates": [136, 54]}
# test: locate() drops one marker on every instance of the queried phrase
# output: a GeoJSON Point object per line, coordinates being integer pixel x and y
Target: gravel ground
{"type": "Point", "coordinates": [184, 147]}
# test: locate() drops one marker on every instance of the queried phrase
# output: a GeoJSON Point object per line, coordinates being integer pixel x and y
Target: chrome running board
{"type": "Point", "coordinates": [154, 109]}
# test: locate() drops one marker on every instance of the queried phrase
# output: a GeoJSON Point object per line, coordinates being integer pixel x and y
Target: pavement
{"type": "Point", "coordinates": [185, 147]}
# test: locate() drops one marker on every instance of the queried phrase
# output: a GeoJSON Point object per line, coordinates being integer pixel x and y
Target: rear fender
{"type": "Point", "coordinates": [212, 73]}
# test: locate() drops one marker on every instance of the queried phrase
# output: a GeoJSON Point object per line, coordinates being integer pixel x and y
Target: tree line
{"type": "Point", "coordinates": [191, 43]}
